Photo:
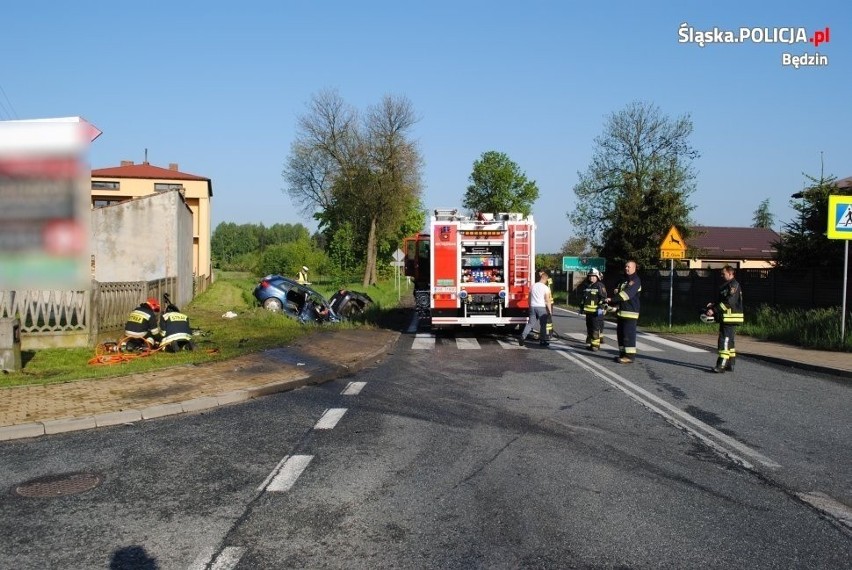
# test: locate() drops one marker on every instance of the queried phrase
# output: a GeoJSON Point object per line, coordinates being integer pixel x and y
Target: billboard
{"type": "Point", "coordinates": [44, 190]}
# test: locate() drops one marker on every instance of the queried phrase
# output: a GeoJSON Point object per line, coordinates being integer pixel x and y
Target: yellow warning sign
{"type": "Point", "coordinates": [673, 246]}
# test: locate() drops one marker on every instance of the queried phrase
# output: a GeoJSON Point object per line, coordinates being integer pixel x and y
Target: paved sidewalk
{"type": "Point", "coordinates": [836, 363]}
{"type": "Point", "coordinates": [31, 411]}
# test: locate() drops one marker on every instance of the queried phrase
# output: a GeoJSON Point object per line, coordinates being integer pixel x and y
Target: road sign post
{"type": "Point", "coordinates": [398, 257]}
{"type": "Point", "coordinates": [673, 247]}
{"type": "Point", "coordinates": [840, 227]}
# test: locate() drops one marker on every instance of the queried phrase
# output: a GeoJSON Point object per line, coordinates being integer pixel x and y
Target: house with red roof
{"type": "Point", "coordinates": [129, 181]}
{"type": "Point", "coordinates": [711, 247]}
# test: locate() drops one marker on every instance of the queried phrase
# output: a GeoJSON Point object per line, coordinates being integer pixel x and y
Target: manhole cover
{"type": "Point", "coordinates": [59, 485]}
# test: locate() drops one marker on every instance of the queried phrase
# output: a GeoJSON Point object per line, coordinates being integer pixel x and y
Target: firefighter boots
{"type": "Point", "coordinates": [721, 365]}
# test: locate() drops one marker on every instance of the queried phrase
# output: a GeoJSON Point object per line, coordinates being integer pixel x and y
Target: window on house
{"type": "Point", "coordinates": [98, 203]}
{"type": "Point", "coordinates": [101, 185]}
{"type": "Point", "coordinates": [163, 186]}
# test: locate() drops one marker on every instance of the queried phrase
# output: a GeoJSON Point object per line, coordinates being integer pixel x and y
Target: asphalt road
{"type": "Point", "coordinates": [462, 451]}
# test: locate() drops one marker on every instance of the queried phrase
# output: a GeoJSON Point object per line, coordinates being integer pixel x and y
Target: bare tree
{"type": "Point", "coordinates": [365, 174]}
{"type": "Point", "coordinates": [395, 163]}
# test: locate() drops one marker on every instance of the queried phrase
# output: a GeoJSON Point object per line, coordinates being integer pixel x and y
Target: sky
{"type": "Point", "coordinates": [218, 88]}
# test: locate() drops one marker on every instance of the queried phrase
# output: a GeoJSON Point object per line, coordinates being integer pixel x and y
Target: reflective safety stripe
{"type": "Point", "coordinates": [173, 337]}
{"type": "Point", "coordinates": [628, 315]}
{"type": "Point", "coordinates": [732, 318]}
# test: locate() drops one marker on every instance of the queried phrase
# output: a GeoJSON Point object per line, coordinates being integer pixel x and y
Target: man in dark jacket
{"type": "Point", "coordinates": [728, 311]}
{"type": "Point", "coordinates": [627, 317]}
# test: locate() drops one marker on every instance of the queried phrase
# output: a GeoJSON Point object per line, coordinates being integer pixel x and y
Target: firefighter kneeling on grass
{"type": "Point", "coordinates": [142, 327]}
{"type": "Point", "coordinates": [594, 295]}
{"type": "Point", "coordinates": [177, 334]}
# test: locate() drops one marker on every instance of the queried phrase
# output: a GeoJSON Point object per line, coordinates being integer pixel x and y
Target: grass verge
{"type": "Point", "coordinates": [252, 330]}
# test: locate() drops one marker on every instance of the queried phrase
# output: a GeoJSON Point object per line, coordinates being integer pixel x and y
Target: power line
{"type": "Point", "coordinates": [6, 97]}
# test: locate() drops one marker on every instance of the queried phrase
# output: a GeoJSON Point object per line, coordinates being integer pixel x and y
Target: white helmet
{"type": "Point", "coordinates": [707, 316]}
{"type": "Point", "coordinates": [595, 273]}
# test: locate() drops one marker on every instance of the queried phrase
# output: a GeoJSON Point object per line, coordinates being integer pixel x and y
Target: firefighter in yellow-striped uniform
{"type": "Point", "coordinates": [142, 328]}
{"type": "Point", "coordinates": [728, 312]}
{"type": "Point", "coordinates": [177, 334]}
{"type": "Point", "coordinates": [627, 298]}
{"type": "Point", "coordinates": [591, 305]}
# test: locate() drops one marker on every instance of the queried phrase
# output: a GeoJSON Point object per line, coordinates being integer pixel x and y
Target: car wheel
{"type": "Point", "coordinates": [272, 304]}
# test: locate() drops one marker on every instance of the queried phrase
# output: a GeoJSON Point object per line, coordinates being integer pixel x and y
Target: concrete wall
{"type": "Point", "coordinates": [197, 196]}
{"type": "Point", "coordinates": [144, 239]}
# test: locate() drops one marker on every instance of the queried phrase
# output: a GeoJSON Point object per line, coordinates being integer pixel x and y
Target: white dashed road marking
{"type": "Point", "coordinates": [285, 473]}
{"type": "Point", "coordinates": [229, 558]}
{"type": "Point", "coordinates": [353, 388]}
{"type": "Point", "coordinates": [330, 418]}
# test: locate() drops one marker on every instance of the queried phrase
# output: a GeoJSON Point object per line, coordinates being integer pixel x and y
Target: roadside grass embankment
{"type": "Point", "coordinates": [252, 330]}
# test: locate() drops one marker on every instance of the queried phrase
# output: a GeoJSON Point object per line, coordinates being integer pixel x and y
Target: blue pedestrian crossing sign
{"type": "Point", "coordinates": [840, 217]}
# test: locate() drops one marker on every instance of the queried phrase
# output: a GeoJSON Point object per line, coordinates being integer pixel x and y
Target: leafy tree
{"type": "Point", "coordinates": [287, 258]}
{"type": "Point", "coordinates": [341, 254]}
{"type": "Point", "coordinates": [499, 185]}
{"type": "Point", "coordinates": [365, 173]}
{"type": "Point", "coordinates": [230, 241]}
{"type": "Point", "coordinates": [637, 185]}
{"type": "Point", "coordinates": [576, 246]}
{"type": "Point", "coordinates": [804, 241]}
{"type": "Point", "coordinates": [548, 261]}
{"type": "Point", "coordinates": [763, 218]}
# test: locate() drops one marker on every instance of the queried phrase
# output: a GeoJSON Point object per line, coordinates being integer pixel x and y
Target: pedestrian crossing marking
{"type": "Point", "coordinates": [465, 343]}
{"type": "Point", "coordinates": [429, 341]}
{"type": "Point", "coordinates": [844, 221]}
{"type": "Point", "coordinates": [423, 341]}
{"type": "Point", "coordinates": [640, 346]}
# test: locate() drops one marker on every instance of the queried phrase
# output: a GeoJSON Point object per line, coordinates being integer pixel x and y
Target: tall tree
{"type": "Point", "coordinates": [637, 185]}
{"type": "Point", "coordinates": [361, 173]}
{"type": "Point", "coordinates": [804, 243]}
{"type": "Point", "coordinates": [763, 218]}
{"type": "Point", "coordinates": [499, 185]}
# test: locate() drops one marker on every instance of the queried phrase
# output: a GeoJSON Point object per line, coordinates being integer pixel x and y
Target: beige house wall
{"type": "Point", "coordinates": [196, 194]}
{"type": "Point", "coordinates": [143, 240]}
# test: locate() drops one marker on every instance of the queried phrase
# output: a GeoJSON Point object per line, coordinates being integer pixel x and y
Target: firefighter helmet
{"type": "Point", "coordinates": [595, 273]}
{"type": "Point", "coordinates": [707, 316]}
{"type": "Point", "coordinates": [154, 304]}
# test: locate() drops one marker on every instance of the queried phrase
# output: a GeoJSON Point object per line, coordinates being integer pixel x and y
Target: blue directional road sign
{"type": "Point", "coordinates": [583, 263]}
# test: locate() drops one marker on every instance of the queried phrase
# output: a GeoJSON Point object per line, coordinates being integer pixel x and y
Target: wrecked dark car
{"type": "Point", "coordinates": [284, 295]}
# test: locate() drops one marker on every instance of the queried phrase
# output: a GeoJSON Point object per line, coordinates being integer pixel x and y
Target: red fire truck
{"type": "Point", "coordinates": [471, 271]}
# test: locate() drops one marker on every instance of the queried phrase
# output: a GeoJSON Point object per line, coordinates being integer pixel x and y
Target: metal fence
{"type": "Point", "coordinates": [78, 318]}
{"type": "Point", "coordinates": [694, 288]}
